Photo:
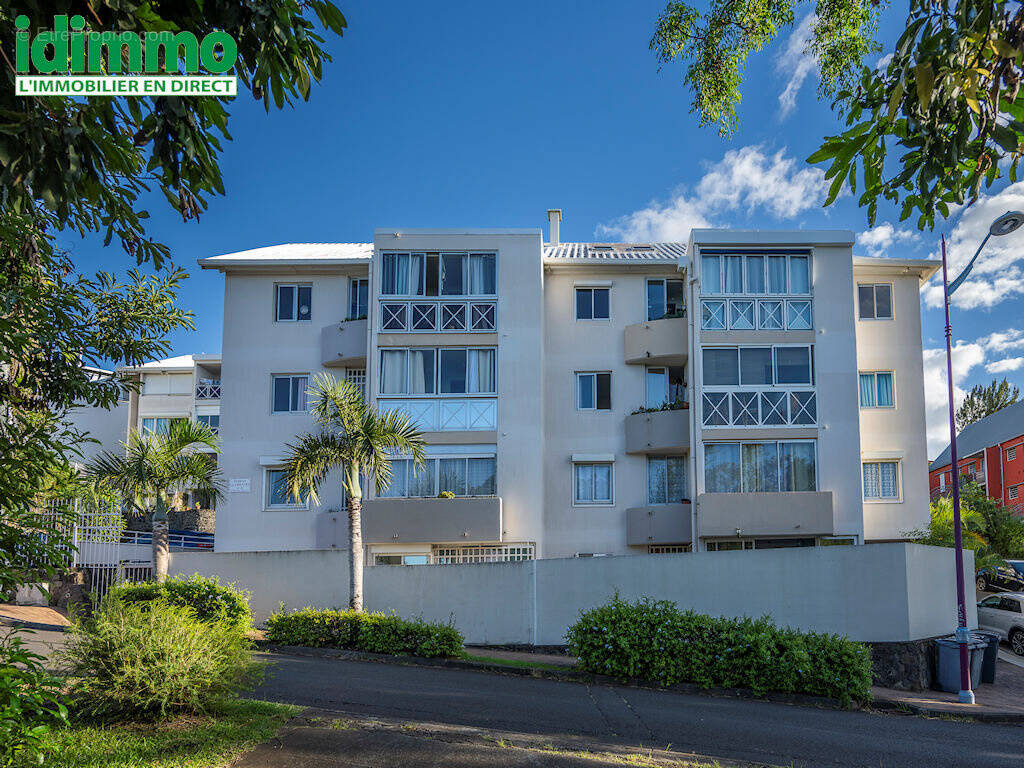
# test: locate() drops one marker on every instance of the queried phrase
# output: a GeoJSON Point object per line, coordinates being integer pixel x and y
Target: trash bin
{"type": "Point", "coordinates": [988, 664]}
{"type": "Point", "coordinates": [949, 662]}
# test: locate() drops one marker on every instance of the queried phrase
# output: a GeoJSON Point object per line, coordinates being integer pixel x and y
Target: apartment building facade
{"type": "Point", "coordinates": [583, 399]}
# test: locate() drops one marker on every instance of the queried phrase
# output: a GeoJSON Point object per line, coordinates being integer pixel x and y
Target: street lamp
{"type": "Point", "coordinates": [1004, 225]}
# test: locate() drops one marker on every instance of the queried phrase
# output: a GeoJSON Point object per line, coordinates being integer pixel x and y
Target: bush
{"type": "Point", "coordinates": [357, 631]}
{"type": "Point", "coordinates": [207, 597]}
{"type": "Point", "coordinates": [30, 700]}
{"type": "Point", "coordinates": [654, 640]}
{"type": "Point", "coordinates": [154, 658]}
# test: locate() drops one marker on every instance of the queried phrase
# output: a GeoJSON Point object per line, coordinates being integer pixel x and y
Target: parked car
{"type": "Point", "coordinates": [1004, 615]}
{"type": "Point", "coordinates": [1009, 578]}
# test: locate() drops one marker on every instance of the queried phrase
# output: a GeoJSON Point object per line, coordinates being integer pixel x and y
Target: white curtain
{"type": "Point", "coordinates": [480, 371]}
{"type": "Point", "coordinates": [299, 386]}
{"type": "Point", "coordinates": [416, 274]}
{"type": "Point", "coordinates": [734, 274]}
{"type": "Point", "coordinates": [476, 274]}
{"type": "Point", "coordinates": [421, 371]}
{"type": "Point", "coordinates": [392, 380]}
{"type": "Point", "coordinates": [776, 274]}
{"type": "Point", "coordinates": [657, 481]}
{"type": "Point", "coordinates": [657, 387]}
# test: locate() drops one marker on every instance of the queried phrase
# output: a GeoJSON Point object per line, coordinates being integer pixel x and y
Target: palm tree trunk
{"type": "Point", "coordinates": [160, 542]}
{"type": "Point", "coordinates": [355, 553]}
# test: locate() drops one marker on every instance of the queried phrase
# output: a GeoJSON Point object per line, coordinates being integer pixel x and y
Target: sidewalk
{"type": "Point", "coordinates": [1000, 701]}
{"type": "Point", "coordinates": [33, 616]}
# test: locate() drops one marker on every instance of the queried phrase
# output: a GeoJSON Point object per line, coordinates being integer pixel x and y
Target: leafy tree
{"type": "Point", "coordinates": [1001, 528]}
{"type": "Point", "coordinates": [357, 440]}
{"type": "Point", "coordinates": [989, 529]}
{"type": "Point", "coordinates": [983, 401]}
{"type": "Point", "coordinates": [81, 166]}
{"type": "Point", "coordinates": [947, 105]}
{"type": "Point", "coordinates": [153, 468]}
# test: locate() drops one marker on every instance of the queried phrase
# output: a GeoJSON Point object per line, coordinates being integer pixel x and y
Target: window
{"type": "Point", "coordinates": [277, 495]}
{"type": "Point", "coordinates": [721, 367]}
{"type": "Point", "coordinates": [294, 302]}
{"type": "Point", "coordinates": [593, 391]}
{"type": "Point", "coordinates": [793, 365]}
{"type": "Point", "coordinates": [212, 421]}
{"type": "Point", "coordinates": [592, 483]}
{"type": "Point", "coordinates": [359, 298]}
{"type": "Point", "coordinates": [1011, 453]}
{"type": "Point", "coordinates": [462, 476]}
{"type": "Point", "coordinates": [482, 553]}
{"type": "Point", "coordinates": [730, 545]}
{"type": "Point", "coordinates": [667, 549]}
{"type": "Point", "coordinates": [592, 303]}
{"type": "Point", "coordinates": [664, 299]}
{"type": "Point", "coordinates": [759, 467]}
{"type": "Point", "coordinates": [1014, 491]}
{"type": "Point", "coordinates": [881, 480]}
{"type": "Point", "coordinates": [401, 559]}
{"type": "Point", "coordinates": [290, 393]}
{"type": "Point", "coordinates": [876, 390]}
{"type": "Point", "coordinates": [157, 425]}
{"type": "Point", "coordinates": [1009, 604]}
{"type": "Point", "coordinates": [665, 385]}
{"type": "Point", "coordinates": [358, 377]}
{"type": "Point", "coordinates": [457, 371]}
{"type": "Point", "coordinates": [438, 274]}
{"type": "Point", "coordinates": [755, 273]}
{"type": "Point", "coordinates": [757, 366]}
{"type": "Point", "coordinates": [666, 480]}
{"type": "Point", "coordinates": [874, 302]}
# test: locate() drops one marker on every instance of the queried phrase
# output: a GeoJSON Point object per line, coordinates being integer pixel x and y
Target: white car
{"type": "Point", "coordinates": [1004, 615]}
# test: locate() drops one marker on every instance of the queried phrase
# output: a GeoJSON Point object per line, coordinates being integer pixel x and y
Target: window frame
{"type": "Point", "coordinates": [157, 417]}
{"type": "Point", "coordinates": [898, 498]}
{"type": "Point", "coordinates": [438, 257]}
{"type": "Point", "coordinates": [273, 385]}
{"type": "Point", "coordinates": [686, 484]}
{"type": "Point", "coordinates": [591, 289]}
{"type": "Point", "coordinates": [353, 298]}
{"type": "Point", "coordinates": [435, 470]}
{"type": "Point", "coordinates": [764, 254]}
{"type": "Point", "coordinates": [874, 375]}
{"type": "Point", "coordinates": [295, 303]}
{"type": "Point", "coordinates": [611, 484]}
{"type": "Point", "coordinates": [664, 296]}
{"type": "Point", "coordinates": [874, 302]}
{"type": "Point", "coordinates": [577, 376]}
{"type": "Point", "coordinates": [779, 442]}
{"type": "Point", "coordinates": [437, 373]}
{"type": "Point", "coordinates": [267, 506]}
{"type": "Point", "coordinates": [214, 429]}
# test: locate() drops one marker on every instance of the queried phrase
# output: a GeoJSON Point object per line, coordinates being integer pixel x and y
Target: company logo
{"type": "Point", "coordinates": [69, 61]}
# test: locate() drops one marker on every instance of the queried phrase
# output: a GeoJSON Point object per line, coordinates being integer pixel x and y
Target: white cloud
{"type": "Point", "coordinates": [999, 273]}
{"type": "Point", "coordinates": [1003, 341]}
{"type": "Point", "coordinates": [883, 63]}
{"type": "Point", "coordinates": [878, 240]}
{"type": "Point", "coordinates": [1003, 366]}
{"type": "Point", "coordinates": [745, 179]}
{"type": "Point", "coordinates": [796, 62]}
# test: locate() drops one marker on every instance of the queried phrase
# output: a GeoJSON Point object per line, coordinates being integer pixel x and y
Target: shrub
{"type": "Point", "coordinates": [371, 632]}
{"type": "Point", "coordinates": [30, 700]}
{"type": "Point", "coordinates": [207, 597]}
{"type": "Point", "coordinates": [654, 640]}
{"type": "Point", "coordinates": [154, 658]}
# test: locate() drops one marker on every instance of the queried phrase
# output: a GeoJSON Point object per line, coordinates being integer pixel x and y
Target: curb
{"type": "Point", "coordinates": [568, 675]}
{"type": "Point", "coordinates": [902, 707]}
{"type": "Point", "coordinates": [32, 625]}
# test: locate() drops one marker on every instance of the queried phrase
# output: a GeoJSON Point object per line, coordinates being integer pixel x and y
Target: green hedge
{"type": "Point", "coordinates": [372, 632]}
{"type": "Point", "coordinates": [654, 640]}
{"type": "Point", "coordinates": [208, 599]}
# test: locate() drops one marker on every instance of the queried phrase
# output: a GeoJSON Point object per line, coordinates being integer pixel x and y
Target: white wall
{"type": "Point", "coordinates": [878, 592]}
{"type": "Point", "coordinates": [109, 428]}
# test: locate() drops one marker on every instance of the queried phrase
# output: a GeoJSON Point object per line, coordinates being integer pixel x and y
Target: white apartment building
{"type": "Point", "coordinates": [742, 390]}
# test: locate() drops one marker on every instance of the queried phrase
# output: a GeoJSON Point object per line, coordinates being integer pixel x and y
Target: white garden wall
{"type": "Point", "coordinates": [878, 592]}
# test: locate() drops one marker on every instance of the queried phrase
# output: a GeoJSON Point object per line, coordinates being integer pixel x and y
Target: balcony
{"type": "Point", "coordinates": [343, 344]}
{"type": "Point", "coordinates": [406, 521]}
{"type": "Point", "coordinates": [659, 524]}
{"type": "Point", "coordinates": [657, 342]}
{"type": "Point", "coordinates": [658, 432]}
{"type": "Point", "coordinates": [447, 414]}
{"type": "Point", "coordinates": [800, 513]}
{"type": "Point", "coordinates": [208, 389]}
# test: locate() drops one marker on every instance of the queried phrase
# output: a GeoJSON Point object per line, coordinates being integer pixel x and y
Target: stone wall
{"type": "Point", "coordinates": [906, 666]}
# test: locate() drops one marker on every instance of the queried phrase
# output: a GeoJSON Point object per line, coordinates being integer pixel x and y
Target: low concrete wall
{"type": "Point", "coordinates": [892, 593]}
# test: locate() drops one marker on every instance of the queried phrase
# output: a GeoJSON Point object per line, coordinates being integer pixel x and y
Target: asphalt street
{"type": "Point", "coordinates": [723, 728]}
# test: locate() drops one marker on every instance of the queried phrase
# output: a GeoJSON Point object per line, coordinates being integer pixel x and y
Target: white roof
{"type": "Point", "coordinates": [295, 254]}
{"type": "Point", "coordinates": [608, 253]}
{"type": "Point", "coordinates": [177, 363]}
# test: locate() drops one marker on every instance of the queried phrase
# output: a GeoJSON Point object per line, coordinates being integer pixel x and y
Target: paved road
{"type": "Point", "coordinates": [718, 727]}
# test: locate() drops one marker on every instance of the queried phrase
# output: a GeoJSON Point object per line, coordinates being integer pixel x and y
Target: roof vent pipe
{"type": "Point", "coordinates": [554, 219]}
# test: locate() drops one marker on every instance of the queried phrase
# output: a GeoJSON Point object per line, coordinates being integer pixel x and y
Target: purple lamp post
{"type": "Point", "coordinates": [1004, 225]}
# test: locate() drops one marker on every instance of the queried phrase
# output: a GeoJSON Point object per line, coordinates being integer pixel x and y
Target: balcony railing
{"type": "Point", "coordinates": [794, 513]}
{"type": "Point", "coordinates": [657, 342]}
{"type": "Point", "coordinates": [658, 431]}
{"type": "Point", "coordinates": [343, 344]}
{"type": "Point", "coordinates": [447, 414]}
{"type": "Point", "coordinates": [400, 521]}
{"type": "Point", "coordinates": [208, 390]}
{"type": "Point", "coordinates": [772, 408]}
{"type": "Point", "coordinates": [438, 316]}
{"type": "Point", "coordinates": [175, 541]}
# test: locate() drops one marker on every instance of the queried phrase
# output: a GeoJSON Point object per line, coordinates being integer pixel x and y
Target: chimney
{"type": "Point", "coordinates": [554, 219]}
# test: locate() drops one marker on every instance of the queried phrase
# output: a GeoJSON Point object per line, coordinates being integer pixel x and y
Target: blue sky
{"type": "Point", "coordinates": [480, 114]}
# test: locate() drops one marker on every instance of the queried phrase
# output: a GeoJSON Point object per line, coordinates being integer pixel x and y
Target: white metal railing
{"type": "Point", "coordinates": [481, 553]}
{"type": "Point", "coordinates": [208, 390]}
{"type": "Point", "coordinates": [447, 414]}
{"type": "Point", "coordinates": [772, 408]}
{"type": "Point", "coordinates": [438, 315]}
{"type": "Point", "coordinates": [179, 541]}
{"type": "Point", "coordinates": [759, 315]}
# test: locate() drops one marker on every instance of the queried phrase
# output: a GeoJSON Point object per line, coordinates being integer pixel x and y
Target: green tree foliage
{"type": "Point", "coordinates": [715, 44]}
{"type": "Point", "coordinates": [357, 440]}
{"type": "Point", "coordinates": [70, 165]}
{"type": "Point", "coordinates": [988, 528]}
{"type": "Point", "coordinates": [943, 117]}
{"type": "Point", "coordinates": [29, 699]}
{"type": "Point", "coordinates": [983, 401]}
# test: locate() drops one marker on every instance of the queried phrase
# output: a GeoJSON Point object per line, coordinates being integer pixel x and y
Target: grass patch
{"type": "Point", "coordinates": [519, 663]}
{"type": "Point", "coordinates": [186, 741]}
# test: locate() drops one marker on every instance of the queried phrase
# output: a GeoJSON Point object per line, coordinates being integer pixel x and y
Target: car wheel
{"type": "Point", "coordinates": [1017, 641]}
{"type": "Point", "coordinates": [982, 584]}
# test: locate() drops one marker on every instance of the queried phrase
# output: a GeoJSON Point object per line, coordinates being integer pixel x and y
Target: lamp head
{"type": "Point", "coordinates": [1007, 223]}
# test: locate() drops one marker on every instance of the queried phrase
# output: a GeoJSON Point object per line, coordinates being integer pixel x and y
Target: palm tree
{"type": "Point", "coordinates": [357, 440]}
{"type": "Point", "coordinates": [153, 468]}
